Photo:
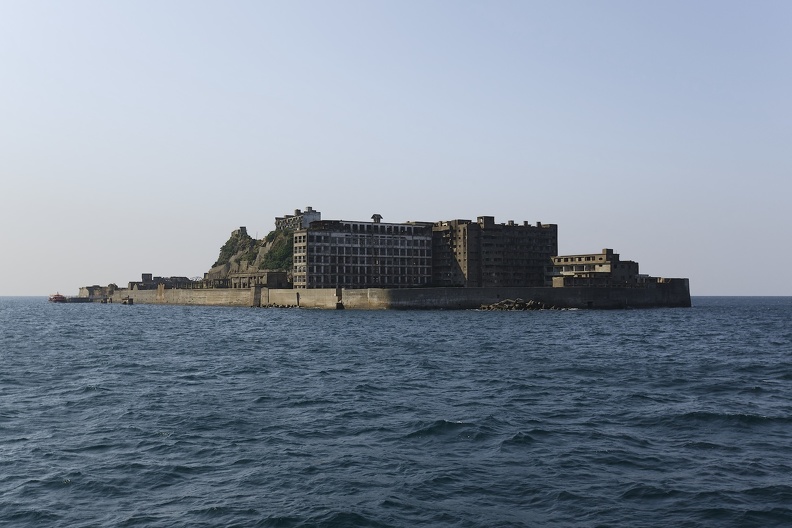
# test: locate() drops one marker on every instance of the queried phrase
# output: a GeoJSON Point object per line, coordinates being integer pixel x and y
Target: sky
{"type": "Point", "coordinates": [135, 136]}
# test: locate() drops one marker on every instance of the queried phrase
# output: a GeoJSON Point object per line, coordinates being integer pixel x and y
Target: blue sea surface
{"type": "Point", "coordinates": [145, 415]}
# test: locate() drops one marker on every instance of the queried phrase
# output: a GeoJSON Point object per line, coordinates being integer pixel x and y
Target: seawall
{"type": "Point", "coordinates": [671, 293]}
{"type": "Point", "coordinates": [206, 297]}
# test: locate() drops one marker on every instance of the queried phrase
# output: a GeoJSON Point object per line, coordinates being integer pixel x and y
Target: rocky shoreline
{"type": "Point", "coordinates": [518, 305]}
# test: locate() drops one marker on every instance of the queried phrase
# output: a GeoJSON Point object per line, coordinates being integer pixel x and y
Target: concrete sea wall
{"type": "Point", "coordinates": [208, 297]}
{"type": "Point", "coordinates": [672, 293]}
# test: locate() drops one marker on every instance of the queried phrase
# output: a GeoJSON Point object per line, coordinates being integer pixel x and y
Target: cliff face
{"type": "Point", "coordinates": [243, 254]}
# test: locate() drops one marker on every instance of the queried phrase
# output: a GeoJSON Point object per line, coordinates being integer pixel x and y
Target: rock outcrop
{"type": "Point", "coordinates": [517, 304]}
{"type": "Point", "coordinates": [243, 254]}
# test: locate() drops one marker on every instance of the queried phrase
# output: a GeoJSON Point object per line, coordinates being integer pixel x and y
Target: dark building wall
{"type": "Point", "coordinates": [451, 259]}
{"type": "Point", "coordinates": [337, 253]}
{"type": "Point", "coordinates": [595, 269]}
{"type": "Point", "coordinates": [486, 254]}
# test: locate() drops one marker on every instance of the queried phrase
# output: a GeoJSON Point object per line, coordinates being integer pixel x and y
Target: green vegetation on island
{"type": "Point", "coordinates": [243, 253]}
{"type": "Point", "coordinates": [279, 253]}
{"type": "Point", "coordinates": [238, 242]}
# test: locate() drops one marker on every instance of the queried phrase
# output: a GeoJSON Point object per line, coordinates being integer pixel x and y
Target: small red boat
{"type": "Point", "coordinates": [57, 298]}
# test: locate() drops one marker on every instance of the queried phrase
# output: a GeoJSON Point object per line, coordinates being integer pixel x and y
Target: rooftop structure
{"type": "Point", "coordinates": [299, 220]}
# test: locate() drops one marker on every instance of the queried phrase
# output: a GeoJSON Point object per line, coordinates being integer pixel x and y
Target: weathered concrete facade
{"type": "Point", "coordinates": [594, 269]}
{"type": "Point", "coordinates": [339, 253]}
{"type": "Point", "coordinates": [269, 279]}
{"type": "Point", "coordinates": [149, 282]}
{"type": "Point", "coordinates": [299, 220]}
{"type": "Point", "coordinates": [486, 254]}
{"type": "Point", "coordinates": [97, 292]}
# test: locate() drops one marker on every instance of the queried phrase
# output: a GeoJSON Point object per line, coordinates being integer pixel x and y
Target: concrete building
{"type": "Point", "coordinates": [344, 254]}
{"type": "Point", "coordinates": [299, 220]}
{"type": "Point", "coordinates": [149, 282]}
{"type": "Point", "coordinates": [268, 279]}
{"type": "Point", "coordinates": [595, 269]}
{"type": "Point", "coordinates": [486, 254]}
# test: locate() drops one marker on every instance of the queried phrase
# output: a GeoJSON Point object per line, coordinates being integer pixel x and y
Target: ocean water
{"type": "Point", "coordinates": [142, 416]}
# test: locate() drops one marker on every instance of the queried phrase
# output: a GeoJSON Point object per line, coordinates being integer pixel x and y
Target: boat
{"type": "Point", "coordinates": [58, 298]}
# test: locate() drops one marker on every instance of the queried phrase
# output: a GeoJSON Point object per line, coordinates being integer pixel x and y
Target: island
{"type": "Point", "coordinates": [309, 262]}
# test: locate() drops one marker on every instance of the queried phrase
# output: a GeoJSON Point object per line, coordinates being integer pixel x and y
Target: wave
{"type": "Point", "coordinates": [530, 437]}
{"type": "Point", "coordinates": [439, 428]}
{"type": "Point", "coordinates": [297, 418]}
{"type": "Point", "coordinates": [727, 419]}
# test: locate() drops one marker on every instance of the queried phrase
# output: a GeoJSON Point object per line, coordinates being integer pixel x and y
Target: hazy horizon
{"type": "Point", "coordinates": [137, 136]}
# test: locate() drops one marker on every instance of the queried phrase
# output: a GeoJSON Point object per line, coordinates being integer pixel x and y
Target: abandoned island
{"type": "Point", "coordinates": [456, 264]}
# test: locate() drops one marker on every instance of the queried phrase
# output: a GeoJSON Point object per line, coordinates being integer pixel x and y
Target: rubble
{"type": "Point", "coordinates": [517, 305]}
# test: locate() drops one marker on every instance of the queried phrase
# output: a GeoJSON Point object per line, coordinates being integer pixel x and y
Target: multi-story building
{"type": "Point", "coordinates": [299, 220]}
{"type": "Point", "coordinates": [339, 253]}
{"type": "Point", "coordinates": [603, 269]}
{"type": "Point", "coordinates": [485, 254]}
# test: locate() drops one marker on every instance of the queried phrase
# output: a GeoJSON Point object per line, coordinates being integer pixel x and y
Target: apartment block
{"type": "Point", "coordinates": [602, 269]}
{"type": "Point", "coordinates": [486, 254]}
{"type": "Point", "coordinates": [346, 254]}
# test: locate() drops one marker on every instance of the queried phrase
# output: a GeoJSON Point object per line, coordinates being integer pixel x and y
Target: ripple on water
{"type": "Point", "coordinates": [189, 416]}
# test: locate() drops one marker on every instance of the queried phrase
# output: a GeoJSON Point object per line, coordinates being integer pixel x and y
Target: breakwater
{"type": "Point", "coordinates": [673, 293]}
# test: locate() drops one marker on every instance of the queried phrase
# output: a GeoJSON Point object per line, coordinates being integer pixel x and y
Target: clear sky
{"type": "Point", "coordinates": [135, 136]}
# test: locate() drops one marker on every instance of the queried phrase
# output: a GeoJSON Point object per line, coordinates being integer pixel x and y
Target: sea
{"type": "Point", "coordinates": [171, 416]}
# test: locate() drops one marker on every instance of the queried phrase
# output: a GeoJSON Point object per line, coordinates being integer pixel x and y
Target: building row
{"type": "Point", "coordinates": [454, 253]}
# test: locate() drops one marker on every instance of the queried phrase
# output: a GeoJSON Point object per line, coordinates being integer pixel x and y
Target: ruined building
{"type": "Point", "coordinates": [602, 269]}
{"type": "Point", "coordinates": [484, 254]}
{"type": "Point", "coordinates": [339, 253]}
{"type": "Point", "coordinates": [299, 220]}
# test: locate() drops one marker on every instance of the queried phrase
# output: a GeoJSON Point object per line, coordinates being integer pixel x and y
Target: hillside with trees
{"type": "Point", "coordinates": [242, 253]}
